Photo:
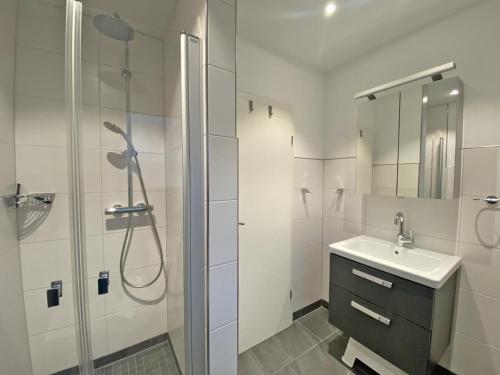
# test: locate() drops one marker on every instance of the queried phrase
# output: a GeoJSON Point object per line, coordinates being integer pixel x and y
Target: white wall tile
{"type": "Point", "coordinates": [325, 274]}
{"type": "Point", "coordinates": [340, 173]}
{"type": "Point", "coordinates": [307, 232]}
{"type": "Point", "coordinates": [174, 173]}
{"type": "Point", "coordinates": [347, 205]}
{"type": "Point", "coordinates": [223, 168]}
{"type": "Point", "coordinates": [97, 304]}
{"type": "Point", "coordinates": [223, 233]}
{"type": "Point", "coordinates": [7, 115]}
{"type": "Point", "coordinates": [98, 337]}
{"type": "Point", "coordinates": [114, 172]}
{"type": "Point", "coordinates": [470, 356]}
{"type": "Point", "coordinates": [142, 323]}
{"type": "Point", "coordinates": [14, 344]}
{"type": "Point", "coordinates": [306, 273]}
{"type": "Point", "coordinates": [222, 35]}
{"type": "Point", "coordinates": [40, 122]}
{"type": "Point", "coordinates": [308, 173]}
{"type": "Point", "coordinates": [148, 132]}
{"type": "Point", "coordinates": [442, 223]}
{"type": "Point", "coordinates": [308, 204]}
{"type": "Point", "coordinates": [146, 55]}
{"type": "Point", "coordinates": [93, 213]}
{"type": "Point", "coordinates": [335, 230]}
{"type": "Point", "coordinates": [91, 170]}
{"type": "Point", "coordinates": [153, 172]}
{"type": "Point", "coordinates": [224, 350]}
{"type": "Point", "coordinates": [41, 25]}
{"type": "Point", "coordinates": [8, 218]}
{"type": "Point", "coordinates": [478, 316]}
{"type": "Point", "coordinates": [142, 253]}
{"type": "Point", "coordinates": [122, 297]}
{"type": "Point", "coordinates": [90, 83]}
{"type": "Point", "coordinates": [42, 169]}
{"type": "Point", "coordinates": [59, 346]}
{"type": "Point", "coordinates": [480, 267]}
{"type": "Point", "coordinates": [112, 88]}
{"type": "Point", "coordinates": [221, 96]}
{"type": "Point", "coordinates": [39, 73]}
{"type": "Point", "coordinates": [173, 134]}
{"type": "Point", "coordinates": [11, 286]}
{"type": "Point", "coordinates": [223, 294]}
{"type": "Point", "coordinates": [40, 318]}
{"type": "Point", "coordinates": [147, 94]}
{"type": "Point", "coordinates": [95, 255]}
{"type": "Point", "coordinates": [43, 262]}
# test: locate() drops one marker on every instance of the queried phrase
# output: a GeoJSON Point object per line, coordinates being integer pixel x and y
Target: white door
{"type": "Point", "coordinates": [265, 209]}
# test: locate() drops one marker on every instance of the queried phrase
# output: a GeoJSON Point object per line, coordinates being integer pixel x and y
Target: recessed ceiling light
{"type": "Point", "coordinates": [425, 99]}
{"type": "Point", "coordinates": [454, 92]}
{"type": "Point", "coordinates": [330, 9]}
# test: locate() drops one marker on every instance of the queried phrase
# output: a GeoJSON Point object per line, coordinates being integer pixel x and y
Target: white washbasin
{"type": "Point", "coordinates": [421, 266]}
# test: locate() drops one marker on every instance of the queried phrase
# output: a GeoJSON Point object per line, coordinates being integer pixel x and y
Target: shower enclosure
{"type": "Point", "coordinates": [102, 222]}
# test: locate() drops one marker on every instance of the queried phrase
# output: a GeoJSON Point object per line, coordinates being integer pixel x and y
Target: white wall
{"type": "Point", "coordinates": [471, 39]}
{"type": "Point", "coordinates": [14, 350]}
{"type": "Point", "coordinates": [120, 318]}
{"type": "Point", "coordinates": [296, 87]}
{"type": "Point", "coordinates": [307, 232]}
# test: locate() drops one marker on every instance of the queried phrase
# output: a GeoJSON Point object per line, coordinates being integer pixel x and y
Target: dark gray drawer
{"type": "Point", "coordinates": [400, 296]}
{"type": "Point", "coordinates": [396, 339]}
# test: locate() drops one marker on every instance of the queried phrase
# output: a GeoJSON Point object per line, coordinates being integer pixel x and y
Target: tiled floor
{"type": "Point", "coordinates": [157, 360]}
{"type": "Point", "coordinates": [308, 347]}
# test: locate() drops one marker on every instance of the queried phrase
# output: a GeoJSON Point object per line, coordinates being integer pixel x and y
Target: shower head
{"type": "Point", "coordinates": [113, 127]}
{"type": "Point", "coordinates": [114, 27]}
{"type": "Point", "coordinates": [116, 129]}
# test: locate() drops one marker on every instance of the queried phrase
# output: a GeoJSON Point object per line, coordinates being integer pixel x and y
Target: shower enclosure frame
{"type": "Point", "coordinates": [194, 196]}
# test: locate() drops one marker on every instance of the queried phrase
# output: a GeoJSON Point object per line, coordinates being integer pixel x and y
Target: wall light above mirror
{"type": "Point", "coordinates": [409, 140]}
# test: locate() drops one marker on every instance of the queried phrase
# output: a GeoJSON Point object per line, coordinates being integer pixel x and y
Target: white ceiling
{"type": "Point", "coordinates": [298, 29]}
{"type": "Point", "coordinates": [154, 15]}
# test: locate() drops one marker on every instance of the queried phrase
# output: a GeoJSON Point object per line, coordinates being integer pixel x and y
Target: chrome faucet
{"type": "Point", "coordinates": [405, 239]}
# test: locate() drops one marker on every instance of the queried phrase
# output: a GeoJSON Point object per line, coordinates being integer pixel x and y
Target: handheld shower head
{"type": "Point", "coordinates": [113, 127]}
{"type": "Point", "coordinates": [116, 129]}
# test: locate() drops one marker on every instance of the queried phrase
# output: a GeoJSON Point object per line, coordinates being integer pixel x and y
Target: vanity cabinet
{"type": "Point", "coordinates": [406, 323]}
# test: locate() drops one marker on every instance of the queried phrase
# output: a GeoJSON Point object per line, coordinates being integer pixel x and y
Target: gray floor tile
{"type": "Point", "coordinates": [270, 355]}
{"type": "Point", "coordinates": [296, 340]}
{"type": "Point", "coordinates": [288, 370]}
{"type": "Point", "coordinates": [247, 365]}
{"type": "Point", "coordinates": [318, 362]}
{"type": "Point", "coordinates": [317, 323]}
{"type": "Point", "coordinates": [335, 345]}
{"type": "Point", "coordinates": [157, 360]}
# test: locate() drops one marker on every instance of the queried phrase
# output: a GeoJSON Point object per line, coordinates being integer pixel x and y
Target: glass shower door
{"type": "Point", "coordinates": [40, 195]}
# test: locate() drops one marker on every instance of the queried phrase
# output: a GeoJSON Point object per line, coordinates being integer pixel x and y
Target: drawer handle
{"type": "Point", "coordinates": [371, 314]}
{"type": "Point", "coordinates": [371, 278]}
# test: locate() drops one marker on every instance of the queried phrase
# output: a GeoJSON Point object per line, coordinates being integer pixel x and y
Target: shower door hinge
{"type": "Point", "coordinates": [291, 294]}
{"type": "Point", "coordinates": [291, 140]}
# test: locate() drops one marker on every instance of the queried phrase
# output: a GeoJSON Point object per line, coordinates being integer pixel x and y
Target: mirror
{"type": "Point", "coordinates": [409, 140]}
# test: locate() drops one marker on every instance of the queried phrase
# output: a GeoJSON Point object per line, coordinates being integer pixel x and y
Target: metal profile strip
{"type": "Point", "coordinates": [372, 278]}
{"type": "Point", "coordinates": [77, 228]}
{"type": "Point", "coordinates": [194, 207]}
{"type": "Point", "coordinates": [409, 79]}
